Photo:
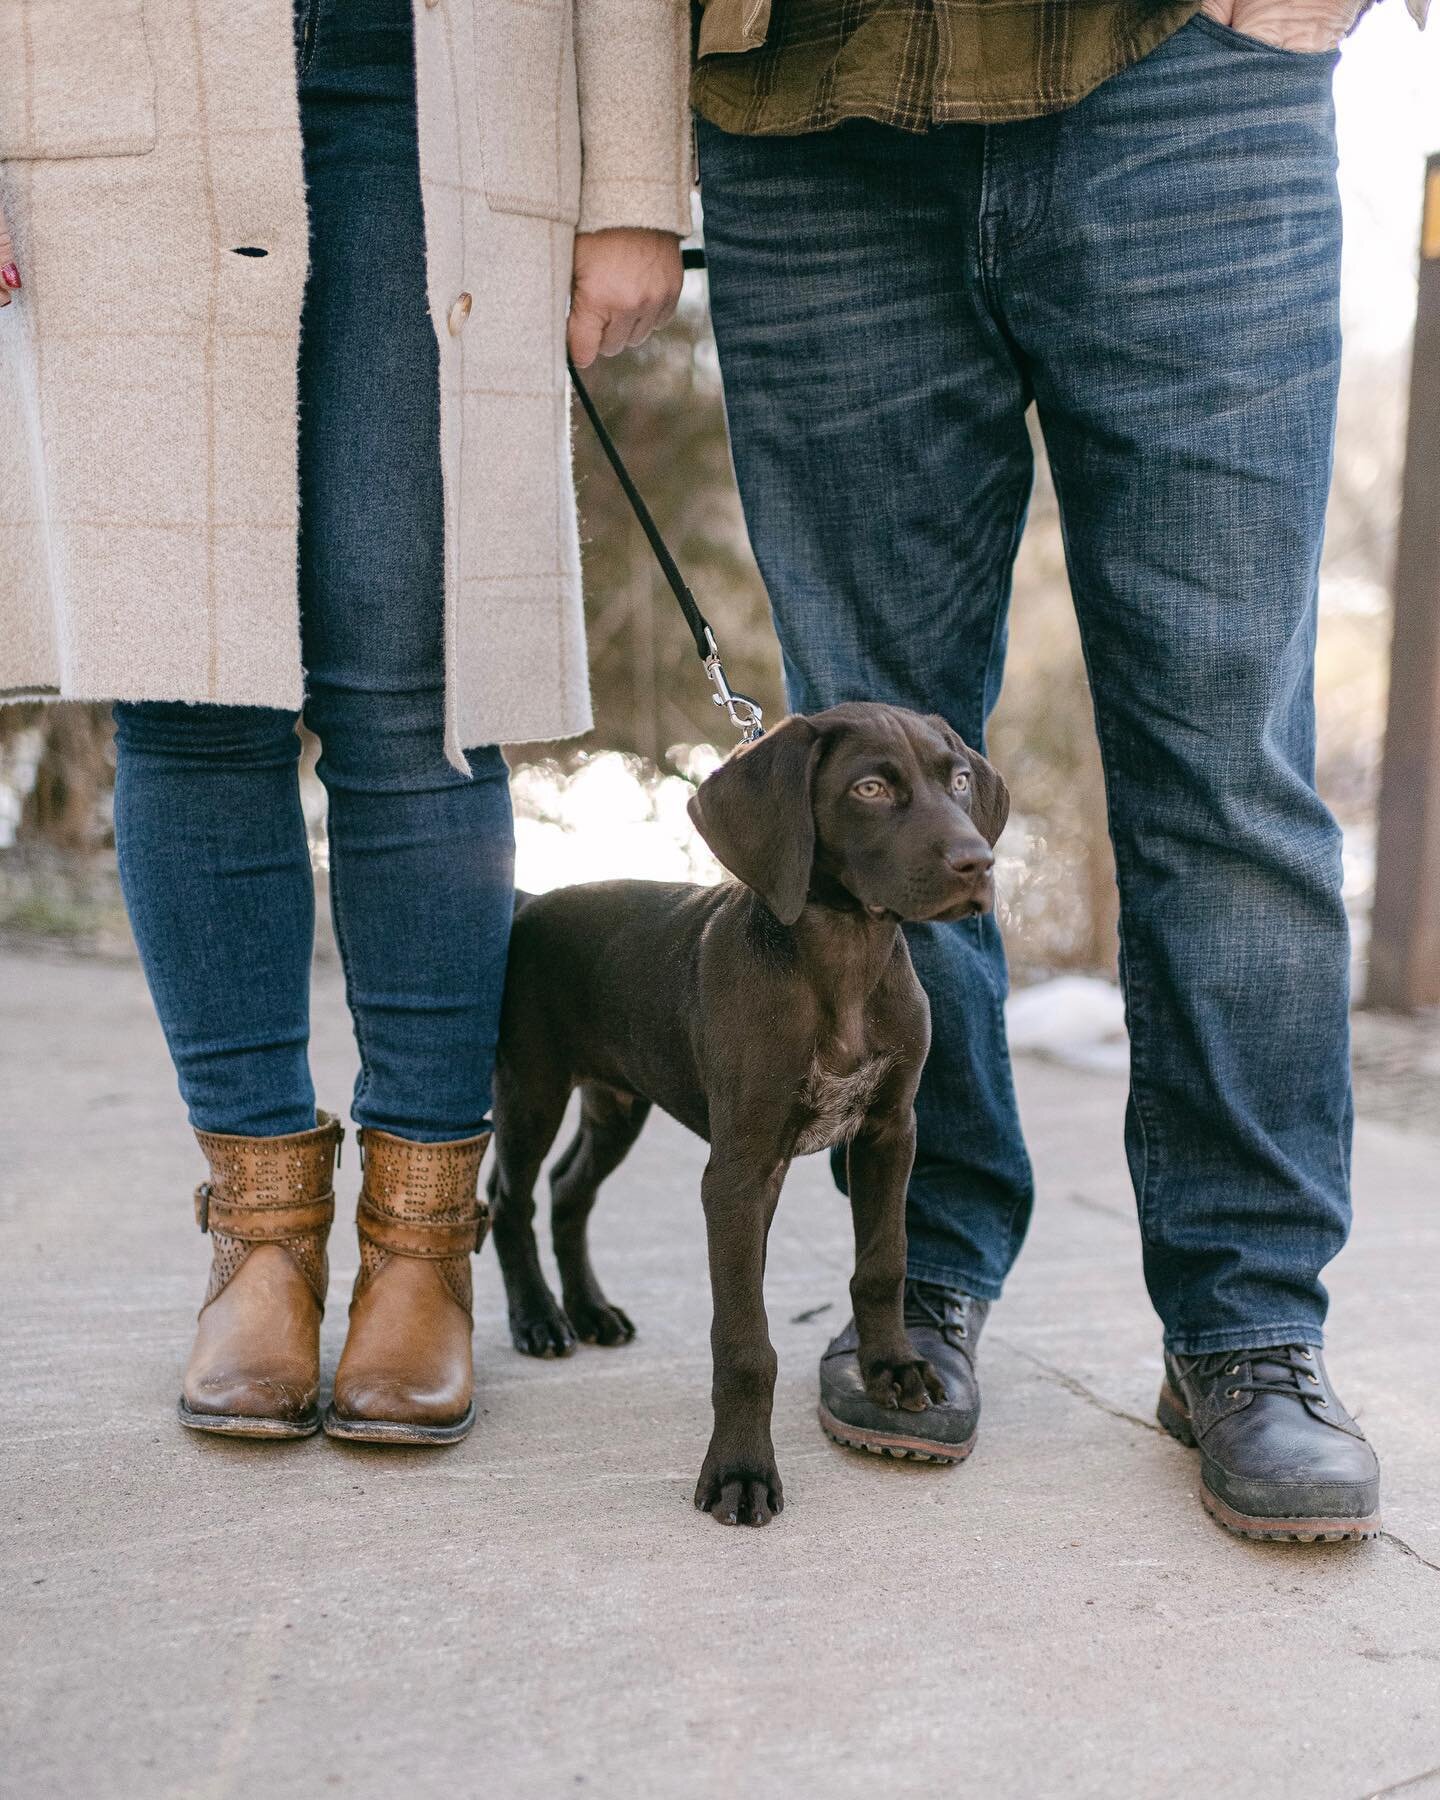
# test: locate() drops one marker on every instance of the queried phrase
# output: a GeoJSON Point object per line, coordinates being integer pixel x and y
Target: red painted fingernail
{"type": "Point", "coordinates": [10, 275]}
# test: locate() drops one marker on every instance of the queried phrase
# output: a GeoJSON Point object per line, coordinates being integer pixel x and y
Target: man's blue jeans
{"type": "Point", "coordinates": [1157, 269]}
{"type": "Point", "coordinates": [208, 825]}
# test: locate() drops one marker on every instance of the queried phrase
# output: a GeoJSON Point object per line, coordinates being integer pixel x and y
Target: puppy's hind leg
{"type": "Point", "coordinates": [610, 1122]}
{"type": "Point", "coordinates": [529, 1105]}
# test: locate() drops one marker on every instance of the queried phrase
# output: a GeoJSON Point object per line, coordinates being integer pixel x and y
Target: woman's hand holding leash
{"type": "Point", "coordinates": [626, 284]}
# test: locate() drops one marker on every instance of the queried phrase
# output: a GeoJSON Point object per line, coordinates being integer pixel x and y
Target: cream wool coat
{"type": "Point", "coordinates": [148, 505]}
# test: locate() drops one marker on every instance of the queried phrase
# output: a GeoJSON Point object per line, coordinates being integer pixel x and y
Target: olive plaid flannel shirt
{"type": "Point", "coordinates": [775, 67]}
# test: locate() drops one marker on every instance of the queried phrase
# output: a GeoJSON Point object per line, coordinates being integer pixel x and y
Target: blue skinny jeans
{"type": "Point", "coordinates": [208, 824]}
{"type": "Point", "coordinates": [1157, 270]}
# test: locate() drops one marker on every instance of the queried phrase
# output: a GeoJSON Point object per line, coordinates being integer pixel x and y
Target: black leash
{"type": "Point", "coordinates": [743, 712]}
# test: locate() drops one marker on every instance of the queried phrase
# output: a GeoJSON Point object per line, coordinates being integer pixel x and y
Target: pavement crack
{"type": "Point", "coordinates": [1074, 1386]}
{"type": "Point", "coordinates": [1411, 1781]}
{"type": "Point", "coordinates": [1389, 1537]}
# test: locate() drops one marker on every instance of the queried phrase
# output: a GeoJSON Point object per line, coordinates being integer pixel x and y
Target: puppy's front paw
{"type": "Point", "coordinates": [598, 1322]}
{"type": "Point", "coordinates": [907, 1382]}
{"type": "Point", "coordinates": [539, 1328]}
{"type": "Point", "coordinates": [740, 1490]}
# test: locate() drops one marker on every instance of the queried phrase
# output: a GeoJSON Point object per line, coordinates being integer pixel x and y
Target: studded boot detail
{"type": "Point", "coordinates": [406, 1375]}
{"type": "Point", "coordinates": [254, 1370]}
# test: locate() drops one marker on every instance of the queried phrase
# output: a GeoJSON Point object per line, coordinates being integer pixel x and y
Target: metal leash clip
{"type": "Point", "coordinates": [743, 712]}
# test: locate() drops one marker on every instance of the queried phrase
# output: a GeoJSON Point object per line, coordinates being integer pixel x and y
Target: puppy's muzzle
{"type": "Point", "coordinates": [971, 881]}
{"type": "Point", "coordinates": [942, 892]}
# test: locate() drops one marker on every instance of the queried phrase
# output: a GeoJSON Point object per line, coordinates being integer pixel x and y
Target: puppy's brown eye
{"type": "Point", "coordinates": [870, 789]}
{"type": "Point", "coordinates": [961, 782]}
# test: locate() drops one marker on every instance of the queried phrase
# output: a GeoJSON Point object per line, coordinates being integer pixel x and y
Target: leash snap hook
{"type": "Point", "coordinates": [743, 712]}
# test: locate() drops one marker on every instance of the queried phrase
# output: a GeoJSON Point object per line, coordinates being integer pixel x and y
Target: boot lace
{"type": "Point", "coordinates": [940, 1307]}
{"type": "Point", "coordinates": [1287, 1369]}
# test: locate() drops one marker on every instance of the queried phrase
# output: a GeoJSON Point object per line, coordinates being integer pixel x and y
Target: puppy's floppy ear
{"type": "Point", "coordinates": [989, 796]}
{"type": "Point", "coordinates": [990, 805]}
{"type": "Point", "coordinates": [756, 813]}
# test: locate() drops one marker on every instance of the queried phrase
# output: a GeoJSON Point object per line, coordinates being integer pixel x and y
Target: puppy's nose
{"type": "Point", "coordinates": [971, 864]}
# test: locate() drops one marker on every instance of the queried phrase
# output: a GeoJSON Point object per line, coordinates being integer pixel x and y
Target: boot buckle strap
{"type": "Point", "coordinates": [253, 1224]}
{"type": "Point", "coordinates": [429, 1239]}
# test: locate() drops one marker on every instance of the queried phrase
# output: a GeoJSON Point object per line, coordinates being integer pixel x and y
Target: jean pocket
{"type": "Point", "coordinates": [528, 108]}
{"type": "Point", "coordinates": [307, 32]}
{"type": "Point", "coordinates": [79, 79]}
{"type": "Point", "coordinates": [1242, 40]}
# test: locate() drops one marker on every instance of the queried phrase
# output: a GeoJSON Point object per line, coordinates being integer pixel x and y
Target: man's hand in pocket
{"type": "Point", "coordinates": [1305, 25]}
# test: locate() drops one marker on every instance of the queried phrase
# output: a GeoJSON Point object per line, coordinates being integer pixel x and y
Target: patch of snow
{"type": "Point", "coordinates": [1078, 1020]}
{"type": "Point", "coordinates": [19, 765]}
{"type": "Point", "coordinates": [607, 818]}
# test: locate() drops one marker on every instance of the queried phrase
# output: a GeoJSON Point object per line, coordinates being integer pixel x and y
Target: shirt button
{"type": "Point", "coordinates": [459, 313]}
{"type": "Point", "coordinates": [432, 2]}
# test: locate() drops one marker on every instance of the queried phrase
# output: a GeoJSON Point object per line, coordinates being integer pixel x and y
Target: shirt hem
{"type": "Point", "coordinates": [727, 115]}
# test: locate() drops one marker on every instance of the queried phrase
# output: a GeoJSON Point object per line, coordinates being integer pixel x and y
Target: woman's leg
{"type": "Point", "coordinates": [216, 872]}
{"type": "Point", "coordinates": [421, 855]}
{"type": "Point", "coordinates": [215, 869]}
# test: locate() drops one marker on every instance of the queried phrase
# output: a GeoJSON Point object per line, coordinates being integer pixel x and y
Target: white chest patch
{"type": "Point", "coordinates": [837, 1104]}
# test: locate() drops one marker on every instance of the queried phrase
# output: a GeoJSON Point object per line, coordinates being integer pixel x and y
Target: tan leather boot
{"type": "Point", "coordinates": [255, 1368]}
{"type": "Point", "coordinates": [406, 1374]}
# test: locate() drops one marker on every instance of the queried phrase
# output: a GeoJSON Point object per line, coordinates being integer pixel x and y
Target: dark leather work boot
{"type": "Point", "coordinates": [1279, 1455]}
{"type": "Point", "coordinates": [945, 1327]}
{"type": "Point", "coordinates": [406, 1374]}
{"type": "Point", "coordinates": [254, 1370]}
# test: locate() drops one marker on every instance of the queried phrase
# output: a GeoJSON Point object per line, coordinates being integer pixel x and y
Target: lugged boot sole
{"type": "Point", "coordinates": [893, 1443]}
{"type": "Point", "coordinates": [1171, 1413]}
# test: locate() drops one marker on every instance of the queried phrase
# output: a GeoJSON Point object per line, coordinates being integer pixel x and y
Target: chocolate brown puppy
{"type": "Point", "coordinates": [774, 1015]}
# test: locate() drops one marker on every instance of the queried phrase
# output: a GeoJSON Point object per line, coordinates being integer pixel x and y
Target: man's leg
{"type": "Point", "coordinates": [877, 423]}
{"type": "Point", "coordinates": [1177, 307]}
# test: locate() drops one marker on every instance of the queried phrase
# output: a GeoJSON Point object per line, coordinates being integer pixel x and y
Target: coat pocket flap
{"type": "Point", "coordinates": [528, 107]}
{"type": "Point", "coordinates": [78, 79]}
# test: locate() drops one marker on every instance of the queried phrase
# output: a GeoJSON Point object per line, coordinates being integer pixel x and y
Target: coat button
{"type": "Point", "coordinates": [459, 313]}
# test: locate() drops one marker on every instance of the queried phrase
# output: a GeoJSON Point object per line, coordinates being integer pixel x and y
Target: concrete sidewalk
{"type": "Point", "coordinates": [541, 1612]}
